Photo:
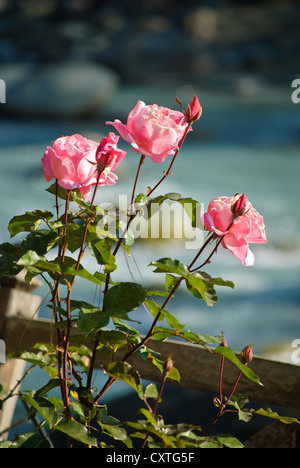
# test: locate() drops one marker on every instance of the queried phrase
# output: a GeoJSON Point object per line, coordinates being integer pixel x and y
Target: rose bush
{"type": "Point", "coordinates": [236, 230]}
{"type": "Point", "coordinates": [101, 329]}
{"type": "Point", "coordinates": [152, 130]}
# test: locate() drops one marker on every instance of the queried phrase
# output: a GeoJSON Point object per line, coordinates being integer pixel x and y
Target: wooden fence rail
{"type": "Point", "coordinates": [198, 368]}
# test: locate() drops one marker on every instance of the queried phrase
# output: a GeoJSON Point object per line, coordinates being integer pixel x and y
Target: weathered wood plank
{"type": "Point", "coordinates": [11, 372]}
{"type": "Point", "coordinates": [198, 368]}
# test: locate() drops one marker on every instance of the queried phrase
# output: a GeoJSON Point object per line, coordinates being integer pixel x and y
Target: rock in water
{"type": "Point", "coordinates": [58, 90]}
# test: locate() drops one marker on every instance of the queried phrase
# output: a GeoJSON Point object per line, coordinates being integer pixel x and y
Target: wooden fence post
{"type": "Point", "coordinates": [16, 300]}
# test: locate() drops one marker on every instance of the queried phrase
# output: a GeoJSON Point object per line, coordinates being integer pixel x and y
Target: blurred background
{"type": "Point", "coordinates": [71, 65]}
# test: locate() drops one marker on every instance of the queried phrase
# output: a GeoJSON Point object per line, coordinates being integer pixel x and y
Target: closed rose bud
{"type": "Point", "coordinates": [240, 205]}
{"type": "Point", "coordinates": [224, 342]}
{"type": "Point", "coordinates": [247, 354]}
{"type": "Point", "coordinates": [194, 110]}
{"type": "Point", "coordinates": [168, 366]}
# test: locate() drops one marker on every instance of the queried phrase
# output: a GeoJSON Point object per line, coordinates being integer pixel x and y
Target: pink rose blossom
{"type": "Point", "coordinates": [236, 230]}
{"type": "Point", "coordinates": [153, 131]}
{"type": "Point", "coordinates": [72, 161]}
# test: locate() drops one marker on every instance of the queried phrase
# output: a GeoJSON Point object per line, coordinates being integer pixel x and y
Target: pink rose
{"type": "Point", "coordinates": [236, 221]}
{"type": "Point", "coordinates": [153, 131]}
{"type": "Point", "coordinates": [72, 161]}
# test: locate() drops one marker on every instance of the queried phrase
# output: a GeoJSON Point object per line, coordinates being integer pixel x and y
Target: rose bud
{"type": "Point", "coordinates": [239, 205]}
{"type": "Point", "coordinates": [247, 354]}
{"type": "Point", "coordinates": [168, 365]}
{"type": "Point", "coordinates": [194, 110]}
{"type": "Point", "coordinates": [224, 342]}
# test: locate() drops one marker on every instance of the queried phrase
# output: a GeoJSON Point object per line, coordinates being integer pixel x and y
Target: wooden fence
{"type": "Point", "coordinates": [21, 328]}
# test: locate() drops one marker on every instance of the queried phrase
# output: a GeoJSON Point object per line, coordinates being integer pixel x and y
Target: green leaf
{"type": "Point", "coordinates": [10, 256]}
{"type": "Point", "coordinates": [57, 189]}
{"type": "Point", "coordinates": [106, 418]}
{"type": "Point", "coordinates": [46, 409]}
{"type": "Point", "coordinates": [40, 241]}
{"type": "Point", "coordinates": [201, 285]}
{"type": "Point", "coordinates": [31, 258]}
{"type": "Point", "coordinates": [30, 440]}
{"type": "Point", "coordinates": [101, 249]}
{"type": "Point", "coordinates": [228, 441]}
{"type": "Point", "coordinates": [151, 391]}
{"type": "Point", "coordinates": [124, 297]}
{"type": "Point", "coordinates": [239, 401]}
{"type": "Point", "coordinates": [28, 222]}
{"type": "Point", "coordinates": [38, 359]}
{"type": "Point", "coordinates": [173, 322]}
{"type": "Point", "coordinates": [229, 354]}
{"type": "Point", "coordinates": [173, 374]}
{"type": "Point", "coordinates": [170, 265]}
{"type": "Point", "coordinates": [126, 373]}
{"type": "Point", "coordinates": [272, 414]}
{"type": "Point", "coordinates": [118, 433]}
{"type": "Point", "coordinates": [77, 431]}
{"type": "Point", "coordinates": [92, 319]}
{"type": "Point", "coordinates": [170, 281]}
{"type": "Point", "coordinates": [69, 268]}
{"type": "Point", "coordinates": [192, 208]}
{"type": "Point", "coordinates": [53, 383]}
{"type": "Point", "coordinates": [113, 339]}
